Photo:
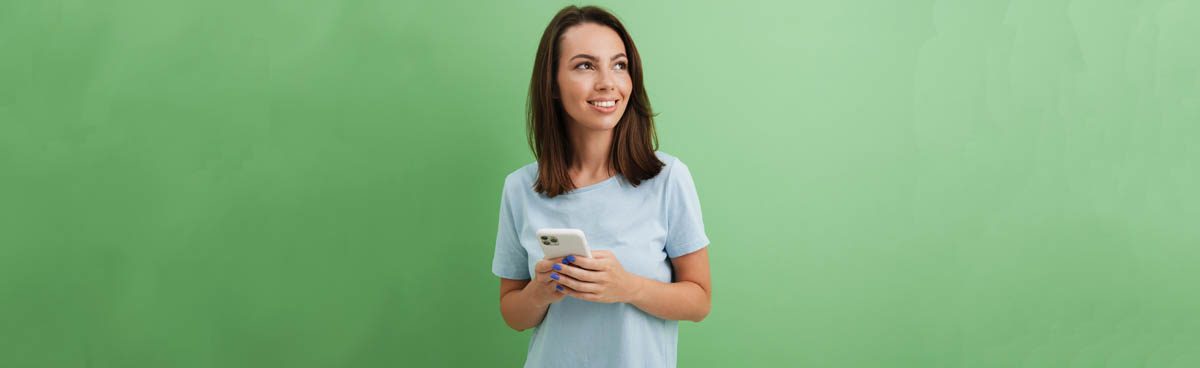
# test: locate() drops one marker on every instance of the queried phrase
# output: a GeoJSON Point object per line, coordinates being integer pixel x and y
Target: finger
{"type": "Point", "coordinates": [574, 284]}
{"type": "Point", "coordinates": [545, 265]}
{"type": "Point", "coordinates": [578, 273]}
{"type": "Point", "coordinates": [594, 264]}
{"type": "Point", "coordinates": [580, 295]}
{"type": "Point", "coordinates": [542, 271]}
{"type": "Point", "coordinates": [602, 254]}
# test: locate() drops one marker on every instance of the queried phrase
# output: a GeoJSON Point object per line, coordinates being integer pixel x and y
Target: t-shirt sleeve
{"type": "Point", "coordinates": [510, 260]}
{"type": "Point", "coordinates": [685, 225]}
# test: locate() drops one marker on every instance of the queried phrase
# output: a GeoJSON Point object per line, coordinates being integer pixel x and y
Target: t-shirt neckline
{"type": "Point", "coordinates": [594, 186]}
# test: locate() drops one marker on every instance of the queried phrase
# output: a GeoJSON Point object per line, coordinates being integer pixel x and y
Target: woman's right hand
{"type": "Point", "coordinates": [542, 288]}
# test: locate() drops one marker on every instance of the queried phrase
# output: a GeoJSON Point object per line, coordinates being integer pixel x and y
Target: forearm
{"type": "Point", "coordinates": [680, 300]}
{"type": "Point", "coordinates": [520, 310]}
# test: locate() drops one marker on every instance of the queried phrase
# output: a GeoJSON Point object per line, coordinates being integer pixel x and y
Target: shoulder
{"type": "Point", "coordinates": [522, 178]}
{"type": "Point", "coordinates": [674, 168]}
{"type": "Point", "coordinates": [666, 158]}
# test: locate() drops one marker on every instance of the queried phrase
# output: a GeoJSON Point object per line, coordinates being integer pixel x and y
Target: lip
{"type": "Point", "coordinates": [605, 110]}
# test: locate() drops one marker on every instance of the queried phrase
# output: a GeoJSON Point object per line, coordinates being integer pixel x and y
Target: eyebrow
{"type": "Point", "coordinates": [593, 58]}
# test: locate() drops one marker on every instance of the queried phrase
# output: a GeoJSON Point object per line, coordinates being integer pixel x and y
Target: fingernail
{"type": "Point", "coordinates": [571, 258]}
{"type": "Point", "coordinates": [565, 260]}
{"type": "Point", "coordinates": [554, 276]}
{"type": "Point", "coordinates": [557, 267]}
{"type": "Point", "coordinates": [559, 287]}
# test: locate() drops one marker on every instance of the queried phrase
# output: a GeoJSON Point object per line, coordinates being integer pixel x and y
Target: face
{"type": "Point", "coordinates": [593, 76]}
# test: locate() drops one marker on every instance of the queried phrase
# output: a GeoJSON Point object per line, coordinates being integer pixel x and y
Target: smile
{"type": "Point", "coordinates": [604, 106]}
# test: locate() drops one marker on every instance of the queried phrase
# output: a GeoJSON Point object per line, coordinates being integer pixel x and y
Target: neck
{"type": "Point", "coordinates": [591, 151]}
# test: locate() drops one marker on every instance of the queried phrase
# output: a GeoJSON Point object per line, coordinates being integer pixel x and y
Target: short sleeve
{"type": "Point", "coordinates": [685, 225]}
{"type": "Point", "coordinates": [510, 260]}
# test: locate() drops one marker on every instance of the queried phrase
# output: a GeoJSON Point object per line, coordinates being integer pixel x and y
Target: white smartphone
{"type": "Point", "coordinates": [563, 242]}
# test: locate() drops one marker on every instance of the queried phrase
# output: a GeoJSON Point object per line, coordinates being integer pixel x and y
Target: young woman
{"type": "Point", "coordinates": [591, 128]}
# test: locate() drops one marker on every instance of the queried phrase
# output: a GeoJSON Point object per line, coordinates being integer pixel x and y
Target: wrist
{"type": "Point", "coordinates": [637, 289]}
{"type": "Point", "coordinates": [535, 298]}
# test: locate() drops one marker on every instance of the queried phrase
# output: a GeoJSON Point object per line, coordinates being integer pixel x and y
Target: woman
{"type": "Point", "coordinates": [591, 128]}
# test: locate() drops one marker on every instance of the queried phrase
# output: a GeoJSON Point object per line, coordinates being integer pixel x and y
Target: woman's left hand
{"type": "Point", "coordinates": [598, 279]}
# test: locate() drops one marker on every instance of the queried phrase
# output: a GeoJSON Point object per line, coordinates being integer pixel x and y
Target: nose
{"type": "Point", "coordinates": [605, 80]}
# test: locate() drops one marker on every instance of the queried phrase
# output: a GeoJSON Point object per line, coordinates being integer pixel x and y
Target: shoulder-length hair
{"type": "Point", "coordinates": [634, 139]}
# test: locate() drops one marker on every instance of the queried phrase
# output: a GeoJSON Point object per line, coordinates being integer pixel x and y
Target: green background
{"type": "Point", "coordinates": [316, 183]}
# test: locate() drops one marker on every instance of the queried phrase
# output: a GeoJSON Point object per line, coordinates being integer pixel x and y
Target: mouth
{"type": "Point", "coordinates": [604, 106]}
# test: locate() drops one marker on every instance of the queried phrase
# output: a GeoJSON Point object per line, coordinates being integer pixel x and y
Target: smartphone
{"type": "Point", "coordinates": [563, 242]}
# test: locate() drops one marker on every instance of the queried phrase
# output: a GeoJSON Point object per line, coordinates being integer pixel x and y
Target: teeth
{"type": "Point", "coordinates": [603, 103]}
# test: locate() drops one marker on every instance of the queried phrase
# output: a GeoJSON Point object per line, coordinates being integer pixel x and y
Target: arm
{"type": "Point", "coordinates": [688, 298]}
{"type": "Point", "coordinates": [524, 303]}
{"type": "Point", "coordinates": [602, 279]}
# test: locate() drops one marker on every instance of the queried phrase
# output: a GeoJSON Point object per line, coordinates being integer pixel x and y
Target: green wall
{"type": "Point", "coordinates": [317, 183]}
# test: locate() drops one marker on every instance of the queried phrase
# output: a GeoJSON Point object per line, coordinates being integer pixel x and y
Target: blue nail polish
{"type": "Point", "coordinates": [564, 261]}
{"type": "Point", "coordinates": [559, 287]}
{"type": "Point", "coordinates": [557, 267]}
{"type": "Point", "coordinates": [571, 258]}
{"type": "Point", "coordinates": [554, 276]}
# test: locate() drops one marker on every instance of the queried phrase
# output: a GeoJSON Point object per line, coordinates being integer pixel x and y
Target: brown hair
{"type": "Point", "coordinates": [634, 139]}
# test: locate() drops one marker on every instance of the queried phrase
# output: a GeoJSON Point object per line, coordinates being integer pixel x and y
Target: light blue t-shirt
{"type": "Point", "coordinates": [642, 226]}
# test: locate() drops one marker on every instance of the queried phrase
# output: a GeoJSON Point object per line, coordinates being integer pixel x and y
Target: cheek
{"type": "Point", "coordinates": [571, 91]}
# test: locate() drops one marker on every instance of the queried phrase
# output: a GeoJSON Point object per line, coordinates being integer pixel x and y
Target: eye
{"type": "Point", "coordinates": [621, 65]}
{"type": "Point", "coordinates": [584, 65]}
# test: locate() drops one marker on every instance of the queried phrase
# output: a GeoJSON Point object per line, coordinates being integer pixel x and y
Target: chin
{"type": "Point", "coordinates": [603, 125]}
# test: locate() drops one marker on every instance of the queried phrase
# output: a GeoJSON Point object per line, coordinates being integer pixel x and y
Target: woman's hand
{"type": "Point", "coordinates": [598, 279]}
{"type": "Point", "coordinates": [544, 291]}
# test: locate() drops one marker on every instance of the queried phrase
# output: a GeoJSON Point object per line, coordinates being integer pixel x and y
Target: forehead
{"type": "Point", "coordinates": [590, 38]}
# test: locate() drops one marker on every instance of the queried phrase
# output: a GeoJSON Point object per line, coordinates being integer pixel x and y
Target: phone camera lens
{"type": "Point", "coordinates": [544, 237]}
{"type": "Point", "coordinates": [554, 240]}
{"type": "Point", "coordinates": [546, 242]}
